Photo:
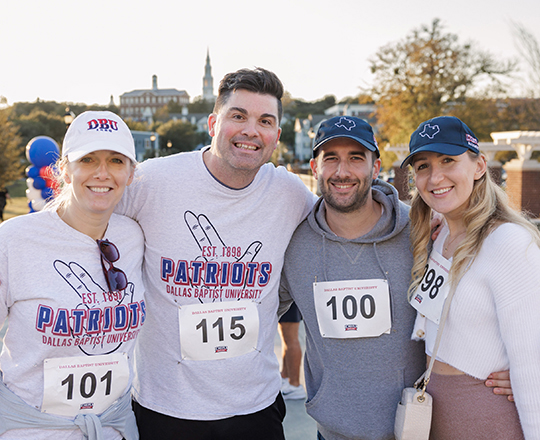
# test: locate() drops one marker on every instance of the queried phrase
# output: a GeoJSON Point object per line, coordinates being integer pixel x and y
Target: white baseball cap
{"type": "Point", "coordinates": [93, 131]}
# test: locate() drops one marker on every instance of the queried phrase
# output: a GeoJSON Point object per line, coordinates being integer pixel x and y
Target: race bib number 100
{"type": "Point", "coordinates": [353, 308]}
{"type": "Point", "coordinates": [432, 291]}
{"type": "Point", "coordinates": [218, 330]}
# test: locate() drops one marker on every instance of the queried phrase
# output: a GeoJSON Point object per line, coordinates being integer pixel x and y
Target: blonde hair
{"type": "Point", "coordinates": [62, 195]}
{"type": "Point", "coordinates": [488, 208]}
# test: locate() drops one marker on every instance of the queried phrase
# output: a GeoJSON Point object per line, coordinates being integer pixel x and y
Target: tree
{"type": "Point", "coordinates": [182, 136]}
{"type": "Point", "coordinates": [136, 125]}
{"type": "Point", "coordinates": [529, 48]}
{"type": "Point", "coordinates": [200, 105]}
{"type": "Point", "coordinates": [425, 75]}
{"type": "Point", "coordinates": [288, 134]}
{"type": "Point", "coordinates": [40, 123]}
{"type": "Point", "coordinates": [11, 163]}
{"type": "Point", "coordinates": [298, 108]}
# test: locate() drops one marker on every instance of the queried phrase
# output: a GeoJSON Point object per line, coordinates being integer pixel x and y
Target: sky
{"type": "Point", "coordinates": [84, 52]}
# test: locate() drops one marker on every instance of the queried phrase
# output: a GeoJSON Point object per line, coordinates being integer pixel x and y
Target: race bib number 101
{"type": "Point", "coordinates": [218, 330]}
{"type": "Point", "coordinates": [84, 384]}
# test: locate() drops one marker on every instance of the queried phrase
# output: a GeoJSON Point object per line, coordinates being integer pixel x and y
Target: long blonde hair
{"type": "Point", "coordinates": [488, 208]}
{"type": "Point", "coordinates": [62, 196]}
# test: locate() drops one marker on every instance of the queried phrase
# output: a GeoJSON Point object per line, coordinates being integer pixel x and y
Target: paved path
{"type": "Point", "coordinates": [298, 425]}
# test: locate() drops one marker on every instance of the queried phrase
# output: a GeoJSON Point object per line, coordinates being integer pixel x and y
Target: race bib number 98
{"type": "Point", "coordinates": [353, 308]}
{"type": "Point", "coordinates": [218, 330]}
{"type": "Point", "coordinates": [432, 291]}
{"type": "Point", "coordinates": [84, 384]}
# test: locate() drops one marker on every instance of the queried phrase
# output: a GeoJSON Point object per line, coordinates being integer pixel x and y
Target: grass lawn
{"type": "Point", "coordinates": [16, 206]}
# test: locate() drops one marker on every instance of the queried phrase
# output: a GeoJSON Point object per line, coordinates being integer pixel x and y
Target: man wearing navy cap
{"type": "Point", "coordinates": [347, 268]}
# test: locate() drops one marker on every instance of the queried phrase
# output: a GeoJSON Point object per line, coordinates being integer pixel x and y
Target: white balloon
{"type": "Point", "coordinates": [33, 193]}
{"type": "Point", "coordinates": [30, 182]}
{"type": "Point", "coordinates": [38, 204]}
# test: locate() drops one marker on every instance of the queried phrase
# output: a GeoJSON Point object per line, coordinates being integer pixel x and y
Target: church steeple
{"type": "Point", "coordinates": [208, 81]}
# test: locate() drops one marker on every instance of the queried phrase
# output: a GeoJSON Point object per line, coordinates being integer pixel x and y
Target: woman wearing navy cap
{"type": "Point", "coordinates": [491, 254]}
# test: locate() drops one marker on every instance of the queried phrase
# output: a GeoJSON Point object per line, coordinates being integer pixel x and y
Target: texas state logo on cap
{"type": "Point", "coordinates": [98, 130]}
{"type": "Point", "coordinates": [444, 135]}
{"type": "Point", "coordinates": [348, 127]}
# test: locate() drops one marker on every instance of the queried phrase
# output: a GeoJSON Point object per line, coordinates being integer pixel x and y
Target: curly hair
{"type": "Point", "coordinates": [488, 208]}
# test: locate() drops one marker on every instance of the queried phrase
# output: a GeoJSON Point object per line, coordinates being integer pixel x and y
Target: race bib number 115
{"type": "Point", "coordinates": [218, 330]}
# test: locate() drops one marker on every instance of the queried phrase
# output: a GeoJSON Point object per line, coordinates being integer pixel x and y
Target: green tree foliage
{"type": "Point", "coordinates": [136, 125]}
{"type": "Point", "coordinates": [288, 134]}
{"type": "Point", "coordinates": [181, 135]}
{"type": "Point", "coordinates": [11, 163]}
{"type": "Point", "coordinates": [40, 123]}
{"type": "Point", "coordinates": [19, 109]}
{"type": "Point", "coordinates": [298, 108]}
{"type": "Point", "coordinates": [161, 114]}
{"type": "Point", "coordinates": [46, 118]}
{"type": "Point", "coordinates": [199, 105]}
{"type": "Point", "coordinates": [41, 118]}
{"type": "Point", "coordinates": [426, 75]}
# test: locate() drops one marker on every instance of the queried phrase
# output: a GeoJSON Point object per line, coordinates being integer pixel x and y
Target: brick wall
{"type": "Point", "coordinates": [523, 189]}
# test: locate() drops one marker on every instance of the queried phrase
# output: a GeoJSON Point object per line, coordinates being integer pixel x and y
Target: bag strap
{"type": "Point", "coordinates": [423, 381]}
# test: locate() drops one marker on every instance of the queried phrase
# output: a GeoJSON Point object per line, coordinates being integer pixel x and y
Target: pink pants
{"type": "Point", "coordinates": [465, 409]}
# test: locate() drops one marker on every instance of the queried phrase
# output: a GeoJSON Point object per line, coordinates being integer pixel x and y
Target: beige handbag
{"type": "Point", "coordinates": [413, 415]}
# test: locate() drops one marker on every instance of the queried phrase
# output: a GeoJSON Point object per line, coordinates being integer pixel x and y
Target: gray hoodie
{"type": "Point", "coordinates": [354, 385]}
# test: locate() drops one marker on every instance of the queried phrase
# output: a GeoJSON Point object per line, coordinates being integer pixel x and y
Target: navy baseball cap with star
{"type": "Point", "coordinates": [345, 127]}
{"type": "Point", "coordinates": [444, 135]}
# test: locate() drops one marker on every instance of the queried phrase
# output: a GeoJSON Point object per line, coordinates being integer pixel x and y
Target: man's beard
{"type": "Point", "coordinates": [354, 202]}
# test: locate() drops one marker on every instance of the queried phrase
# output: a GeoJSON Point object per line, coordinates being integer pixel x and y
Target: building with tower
{"type": "Point", "coordinates": [208, 81]}
{"type": "Point", "coordinates": [142, 104]}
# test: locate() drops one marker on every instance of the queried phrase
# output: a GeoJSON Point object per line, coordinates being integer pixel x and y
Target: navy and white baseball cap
{"type": "Point", "coordinates": [98, 130]}
{"type": "Point", "coordinates": [346, 127]}
{"type": "Point", "coordinates": [444, 135]}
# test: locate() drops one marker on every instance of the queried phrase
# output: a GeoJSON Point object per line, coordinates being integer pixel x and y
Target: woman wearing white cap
{"type": "Point", "coordinates": [72, 294]}
{"type": "Point", "coordinates": [490, 255]}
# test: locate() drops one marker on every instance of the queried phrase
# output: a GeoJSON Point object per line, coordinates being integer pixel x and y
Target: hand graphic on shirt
{"type": "Point", "coordinates": [91, 295]}
{"type": "Point", "coordinates": [207, 237]}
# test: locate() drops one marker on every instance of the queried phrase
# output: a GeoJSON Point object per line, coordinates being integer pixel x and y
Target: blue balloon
{"type": "Point", "coordinates": [42, 151]}
{"type": "Point", "coordinates": [30, 207]}
{"type": "Point", "coordinates": [32, 171]}
{"type": "Point", "coordinates": [46, 193]}
{"type": "Point", "coordinates": [39, 183]}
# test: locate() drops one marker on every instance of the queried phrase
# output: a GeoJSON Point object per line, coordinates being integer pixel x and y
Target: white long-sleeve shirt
{"type": "Point", "coordinates": [494, 319]}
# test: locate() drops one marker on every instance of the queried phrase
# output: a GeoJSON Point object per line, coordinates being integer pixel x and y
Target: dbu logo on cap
{"type": "Point", "coordinates": [103, 125]}
{"type": "Point", "coordinates": [472, 141]}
